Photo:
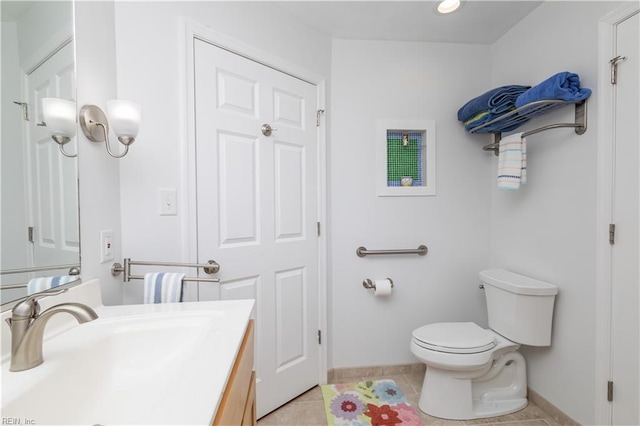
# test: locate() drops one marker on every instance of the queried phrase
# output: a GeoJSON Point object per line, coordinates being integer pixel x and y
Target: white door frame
{"type": "Point", "coordinates": [606, 44]}
{"type": "Point", "coordinates": [191, 31]}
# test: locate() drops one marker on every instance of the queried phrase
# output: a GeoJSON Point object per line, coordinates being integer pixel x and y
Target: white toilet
{"type": "Point", "coordinates": [473, 372]}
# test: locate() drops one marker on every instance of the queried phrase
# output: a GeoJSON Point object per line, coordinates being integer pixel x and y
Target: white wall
{"type": "Point", "coordinates": [150, 72]}
{"type": "Point", "coordinates": [547, 228]}
{"type": "Point", "coordinates": [397, 80]}
{"type": "Point", "coordinates": [41, 23]}
{"type": "Point", "coordinates": [99, 173]}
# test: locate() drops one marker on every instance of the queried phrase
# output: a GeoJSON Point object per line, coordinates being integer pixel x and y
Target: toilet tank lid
{"type": "Point", "coordinates": [516, 283]}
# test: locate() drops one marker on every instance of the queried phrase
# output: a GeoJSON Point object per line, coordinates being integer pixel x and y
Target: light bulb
{"type": "Point", "coordinates": [124, 118]}
{"type": "Point", "coordinates": [60, 117]}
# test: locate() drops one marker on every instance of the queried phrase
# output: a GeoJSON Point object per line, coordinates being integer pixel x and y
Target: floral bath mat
{"type": "Point", "coordinates": [376, 403]}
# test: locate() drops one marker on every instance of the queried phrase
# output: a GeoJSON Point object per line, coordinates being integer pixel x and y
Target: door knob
{"type": "Point", "coordinates": [267, 129]}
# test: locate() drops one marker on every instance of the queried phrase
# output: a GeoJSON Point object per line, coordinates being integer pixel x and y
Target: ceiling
{"type": "Point", "coordinates": [478, 21]}
{"type": "Point", "coordinates": [10, 11]}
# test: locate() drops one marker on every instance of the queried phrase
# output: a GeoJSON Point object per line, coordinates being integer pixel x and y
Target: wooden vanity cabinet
{"type": "Point", "coordinates": [238, 403]}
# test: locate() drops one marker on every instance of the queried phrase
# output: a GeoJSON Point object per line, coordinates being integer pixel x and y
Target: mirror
{"type": "Point", "coordinates": [39, 194]}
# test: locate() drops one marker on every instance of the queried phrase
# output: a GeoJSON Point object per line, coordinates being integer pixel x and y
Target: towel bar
{"type": "Point", "coordinates": [579, 124]}
{"type": "Point", "coordinates": [74, 269]}
{"type": "Point", "coordinates": [14, 286]}
{"type": "Point", "coordinates": [211, 267]}
{"type": "Point", "coordinates": [421, 250]}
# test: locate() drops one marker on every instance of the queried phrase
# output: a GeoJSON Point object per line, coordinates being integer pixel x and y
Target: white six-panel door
{"type": "Point", "coordinates": [52, 177]}
{"type": "Point", "coordinates": [257, 209]}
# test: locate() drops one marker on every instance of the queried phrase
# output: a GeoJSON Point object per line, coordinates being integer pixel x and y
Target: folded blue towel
{"type": "Point", "coordinates": [485, 117]}
{"type": "Point", "coordinates": [161, 287]}
{"type": "Point", "coordinates": [495, 101]}
{"type": "Point", "coordinates": [563, 85]}
{"type": "Point", "coordinates": [37, 285]}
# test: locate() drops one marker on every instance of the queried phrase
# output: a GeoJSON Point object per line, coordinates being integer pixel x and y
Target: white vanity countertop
{"type": "Point", "coordinates": [137, 364]}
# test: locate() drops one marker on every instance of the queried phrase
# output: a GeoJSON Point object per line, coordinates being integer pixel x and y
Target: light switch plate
{"type": "Point", "coordinates": [167, 202]}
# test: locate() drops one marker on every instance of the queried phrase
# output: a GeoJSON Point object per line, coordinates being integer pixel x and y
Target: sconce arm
{"type": "Point", "coordinates": [65, 154]}
{"type": "Point", "coordinates": [106, 143]}
{"type": "Point", "coordinates": [92, 117]}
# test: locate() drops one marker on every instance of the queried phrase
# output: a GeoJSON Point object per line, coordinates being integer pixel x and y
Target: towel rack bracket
{"type": "Point", "coordinates": [579, 125]}
{"type": "Point", "coordinates": [581, 117]}
{"type": "Point", "coordinates": [117, 269]}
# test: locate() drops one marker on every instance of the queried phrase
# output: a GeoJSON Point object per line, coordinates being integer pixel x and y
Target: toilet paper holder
{"type": "Point", "coordinates": [368, 283]}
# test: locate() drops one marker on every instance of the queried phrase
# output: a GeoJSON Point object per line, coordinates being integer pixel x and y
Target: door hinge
{"type": "Point", "coordinates": [319, 337]}
{"type": "Point", "coordinates": [318, 113]}
{"type": "Point", "coordinates": [609, 391]}
{"type": "Point", "coordinates": [612, 233]}
{"type": "Point", "coordinates": [318, 228]}
{"type": "Point", "coordinates": [614, 68]}
{"type": "Point", "coordinates": [30, 234]}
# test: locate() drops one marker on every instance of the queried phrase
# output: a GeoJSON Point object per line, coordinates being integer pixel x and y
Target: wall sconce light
{"type": "Point", "coordinates": [60, 118]}
{"type": "Point", "coordinates": [125, 121]}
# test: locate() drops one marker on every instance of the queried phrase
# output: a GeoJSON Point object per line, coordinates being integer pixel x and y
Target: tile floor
{"type": "Point", "coordinates": [308, 408]}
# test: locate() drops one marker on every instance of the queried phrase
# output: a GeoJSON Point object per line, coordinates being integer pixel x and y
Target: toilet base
{"type": "Point", "coordinates": [499, 391]}
{"type": "Point", "coordinates": [484, 409]}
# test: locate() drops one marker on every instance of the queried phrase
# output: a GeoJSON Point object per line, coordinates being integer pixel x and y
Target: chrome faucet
{"type": "Point", "coordinates": [27, 327]}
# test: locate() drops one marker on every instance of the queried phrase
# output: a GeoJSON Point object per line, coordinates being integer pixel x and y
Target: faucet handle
{"type": "Point", "coordinates": [29, 308]}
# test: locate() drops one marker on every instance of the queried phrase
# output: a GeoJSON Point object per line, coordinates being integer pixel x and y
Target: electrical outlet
{"type": "Point", "coordinates": [106, 246]}
{"type": "Point", "coordinates": [167, 202]}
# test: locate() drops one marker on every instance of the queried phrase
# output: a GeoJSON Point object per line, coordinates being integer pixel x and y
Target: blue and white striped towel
{"type": "Point", "coordinates": [512, 162]}
{"type": "Point", "coordinates": [37, 285]}
{"type": "Point", "coordinates": [161, 287]}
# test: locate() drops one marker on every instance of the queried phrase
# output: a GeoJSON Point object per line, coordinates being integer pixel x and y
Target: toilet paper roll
{"type": "Point", "coordinates": [383, 288]}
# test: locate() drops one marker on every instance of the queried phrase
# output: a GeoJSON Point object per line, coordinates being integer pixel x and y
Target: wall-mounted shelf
{"type": "Point", "coordinates": [522, 114]}
{"type": "Point", "coordinates": [405, 158]}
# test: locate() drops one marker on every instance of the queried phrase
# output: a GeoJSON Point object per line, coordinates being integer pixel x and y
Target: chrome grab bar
{"type": "Point", "coordinates": [422, 250]}
{"type": "Point", "coordinates": [211, 267]}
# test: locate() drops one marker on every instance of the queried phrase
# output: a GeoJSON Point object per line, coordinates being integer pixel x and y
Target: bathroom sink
{"type": "Point", "coordinates": [136, 364]}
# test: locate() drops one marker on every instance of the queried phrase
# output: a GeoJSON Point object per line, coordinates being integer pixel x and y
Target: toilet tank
{"type": "Point", "coordinates": [519, 308]}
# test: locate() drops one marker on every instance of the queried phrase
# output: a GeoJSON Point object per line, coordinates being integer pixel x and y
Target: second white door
{"type": "Point", "coordinates": [625, 253]}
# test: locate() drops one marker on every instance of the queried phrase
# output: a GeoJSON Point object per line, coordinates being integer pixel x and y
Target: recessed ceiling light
{"type": "Point", "coordinates": [448, 6]}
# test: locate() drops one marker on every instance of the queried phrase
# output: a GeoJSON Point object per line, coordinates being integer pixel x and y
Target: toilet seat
{"type": "Point", "coordinates": [454, 338]}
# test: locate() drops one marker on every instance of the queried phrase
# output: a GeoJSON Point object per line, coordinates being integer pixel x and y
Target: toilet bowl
{"type": "Point", "coordinates": [467, 373]}
{"type": "Point", "coordinates": [473, 372]}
